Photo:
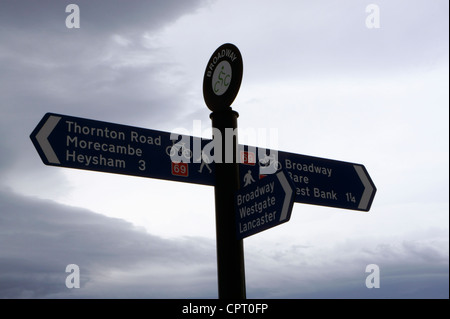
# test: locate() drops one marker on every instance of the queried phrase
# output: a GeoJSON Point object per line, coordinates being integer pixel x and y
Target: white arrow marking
{"type": "Point", "coordinates": [42, 138]}
{"type": "Point", "coordinates": [288, 190]}
{"type": "Point", "coordinates": [368, 189]}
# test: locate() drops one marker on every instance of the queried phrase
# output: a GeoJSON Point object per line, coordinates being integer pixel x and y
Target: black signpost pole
{"type": "Point", "coordinates": [221, 84]}
{"type": "Point", "coordinates": [230, 250]}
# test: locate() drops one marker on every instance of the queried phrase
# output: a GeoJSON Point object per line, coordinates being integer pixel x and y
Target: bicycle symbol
{"type": "Point", "coordinates": [223, 81]}
{"type": "Point", "coordinates": [180, 149]}
{"type": "Point", "coordinates": [269, 164]}
{"type": "Point", "coordinates": [222, 78]}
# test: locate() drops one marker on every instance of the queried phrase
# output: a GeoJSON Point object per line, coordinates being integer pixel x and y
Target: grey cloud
{"type": "Point", "coordinates": [424, 252]}
{"type": "Point", "coordinates": [85, 69]}
{"type": "Point", "coordinates": [95, 16]}
{"type": "Point", "coordinates": [105, 70]}
{"type": "Point", "coordinates": [38, 239]}
{"type": "Point", "coordinates": [409, 268]}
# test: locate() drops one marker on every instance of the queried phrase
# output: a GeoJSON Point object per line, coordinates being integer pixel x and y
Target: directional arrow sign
{"type": "Point", "coordinates": [263, 204]}
{"type": "Point", "coordinates": [317, 181]}
{"type": "Point", "coordinates": [74, 142]}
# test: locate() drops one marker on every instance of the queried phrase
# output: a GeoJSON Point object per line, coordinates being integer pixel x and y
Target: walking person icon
{"type": "Point", "coordinates": [248, 179]}
{"type": "Point", "coordinates": [205, 161]}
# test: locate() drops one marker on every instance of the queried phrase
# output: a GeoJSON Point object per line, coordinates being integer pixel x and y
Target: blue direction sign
{"type": "Point", "coordinates": [317, 181]}
{"type": "Point", "coordinates": [263, 204]}
{"type": "Point", "coordinates": [74, 142]}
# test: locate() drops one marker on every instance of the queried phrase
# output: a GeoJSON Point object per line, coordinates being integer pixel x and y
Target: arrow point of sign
{"type": "Point", "coordinates": [369, 188]}
{"type": "Point", "coordinates": [289, 195]}
{"type": "Point", "coordinates": [42, 138]}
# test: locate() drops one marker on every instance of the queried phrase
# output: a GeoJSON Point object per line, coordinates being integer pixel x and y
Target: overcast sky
{"type": "Point", "coordinates": [313, 70]}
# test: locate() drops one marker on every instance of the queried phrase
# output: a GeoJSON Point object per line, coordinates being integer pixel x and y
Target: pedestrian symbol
{"type": "Point", "coordinates": [248, 179]}
{"type": "Point", "coordinates": [205, 161]}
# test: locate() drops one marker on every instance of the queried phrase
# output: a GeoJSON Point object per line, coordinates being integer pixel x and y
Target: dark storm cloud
{"type": "Point", "coordinates": [105, 70]}
{"type": "Point", "coordinates": [38, 239]}
{"type": "Point", "coordinates": [408, 269]}
{"type": "Point", "coordinates": [46, 65]}
{"type": "Point", "coordinates": [97, 16]}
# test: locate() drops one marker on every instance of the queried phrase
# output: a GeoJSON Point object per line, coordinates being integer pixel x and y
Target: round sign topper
{"type": "Point", "coordinates": [223, 76]}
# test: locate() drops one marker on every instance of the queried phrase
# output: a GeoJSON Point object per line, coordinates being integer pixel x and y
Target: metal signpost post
{"type": "Point", "coordinates": [254, 188]}
{"type": "Point", "coordinates": [221, 83]}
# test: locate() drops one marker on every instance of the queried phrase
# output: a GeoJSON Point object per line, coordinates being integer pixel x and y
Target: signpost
{"type": "Point", "coordinates": [223, 77]}
{"type": "Point", "coordinates": [75, 142]}
{"type": "Point", "coordinates": [221, 82]}
{"type": "Point", "coordinates": [263, 205]}
{"type": "Point", "coordinates": [253, 192]}
{"type": "Point", "coordinates": [318, 181]}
